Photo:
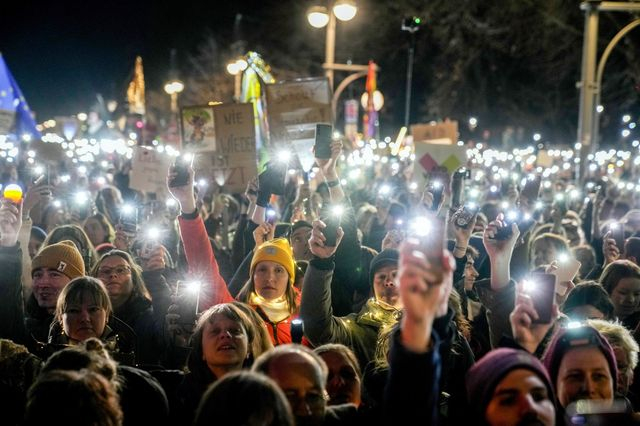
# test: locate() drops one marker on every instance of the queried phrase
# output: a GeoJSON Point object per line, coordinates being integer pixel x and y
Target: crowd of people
{"type": "Point", "coordinates": [313, 299]}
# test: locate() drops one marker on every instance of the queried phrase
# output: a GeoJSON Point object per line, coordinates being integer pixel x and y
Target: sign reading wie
{"type": "Point", "coordinates": [233, 163]}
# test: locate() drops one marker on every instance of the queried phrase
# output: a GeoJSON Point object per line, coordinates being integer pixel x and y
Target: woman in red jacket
{"type": "Point", "coordinates": [269, 290]}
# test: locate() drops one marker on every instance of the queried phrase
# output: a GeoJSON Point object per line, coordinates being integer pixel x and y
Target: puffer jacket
{"type": "Point", "coordinates": [359, 331]}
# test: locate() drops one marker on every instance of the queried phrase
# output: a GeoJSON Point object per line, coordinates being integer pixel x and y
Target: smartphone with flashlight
{"type": "Point", "coordinates": [617, 233]}
{"type": "Point", "coordinates": [273, 176]}
{"type": "Point", "coordinates": [332, 221]}
{"type": "Point", "coordinates": [128, 221]}
{"type": "Point", "coordinates": [270, 216]}
{"type": "Point", "coordinates": [510, 217]}
{"type": "Point", "coordinates": [531, 188]}
{"type": "Point", "coordinates": [542, 289]}
{"type": "Point", "coordinates": [322, 147]}
{"type": "Point", "coordinates": [436, 188]}
{"type": "Point", "coordinates": [465, 214]}
{"type": "Point", "coordinates": [567, 269]}
{"type": "Point", "coordinates": [188, 301]}
{"type": "Point", "coordinates": [181, 169]}
{"type": "Point", "coordinates": [429, 230]}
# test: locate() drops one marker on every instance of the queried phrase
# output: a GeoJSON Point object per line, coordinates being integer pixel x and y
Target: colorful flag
{"type": "Point", "coordinates": [371, 115]}
{"type": "Point", "coordinates": [15, 115]}
{"type": "Point", "coordinates": [135, 92]}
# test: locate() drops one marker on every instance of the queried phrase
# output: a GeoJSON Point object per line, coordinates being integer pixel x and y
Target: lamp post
{"type": "Point", "coordinates": [319, 17]}
{"type": "Point", "coordinates": [236, 68]}
{"type": "Point", "coordinates": [173, 89]}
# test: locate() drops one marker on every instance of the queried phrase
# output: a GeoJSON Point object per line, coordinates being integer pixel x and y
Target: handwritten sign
{"type": "Point", "coordinates": [149, 170]}
{"type": "Point", "coordinates": [445, 133]}
{"type": "Point", "coordinates": [233, 163]}
{"type": "Point", "coordinates": [294, 107]}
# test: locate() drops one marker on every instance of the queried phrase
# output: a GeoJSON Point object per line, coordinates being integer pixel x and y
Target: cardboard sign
{"type": "Point", "coordinates": [234, 162]}
{"type": "Point", "coordinates": [440, 133]}
{"type": "Point", "coordinates": [198, 129]}
{"type": "Point", "coordinates": [436, 158]}
{"type": "Point", "coordinates": [149, 170]}
{"type": "Point", "coordinates": [294, 108]}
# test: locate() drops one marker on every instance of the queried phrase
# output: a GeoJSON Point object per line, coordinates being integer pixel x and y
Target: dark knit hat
{"type": "Point", "coordinates": [300, 224]}
{"type": "Point", "coordinates": [570, 338]}
{"type": "Point", "coordinates": [486, 374]}
{"type": "Point", "coordinates": [63, 257]}
{"type": "Point", "coordinates": [383, 258]}
{"type": "Point", "coordinates": [38, 233]}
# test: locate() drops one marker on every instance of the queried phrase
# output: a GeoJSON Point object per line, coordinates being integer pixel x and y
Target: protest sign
{"type": "Point", "coordinates": [294, 107]}
{"type": "Point", "coordinates": [149, 170]}
{"type": "Point", "coordinates": [439, 133]}
{"type": "Point", "coordinates": [48, 152]}
{"type": "Point", "coordinates": [437, 159]}
{"type": "Point", "coordinates": [233, 163]}
{"type": "Point", "coordinates": [198, 129]}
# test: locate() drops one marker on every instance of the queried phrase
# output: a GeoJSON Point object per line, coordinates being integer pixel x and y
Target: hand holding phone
{"type": "Point", "coordinates": [464, 215]}
{"type": "Point", "coordinates": [617, 233]}
{"type": "Point", "coordinates": [567, 269]}
{"type": "Point", "coordinates": [188, 300]}
{"type": "Point", "coordinates": [531, 188]}
{"type": "Point", "coordinates": [181, 168]}
{"type": "Point", "coordinates": [332, 222]}
{"type": "Point", "coordinates": [429, 230]}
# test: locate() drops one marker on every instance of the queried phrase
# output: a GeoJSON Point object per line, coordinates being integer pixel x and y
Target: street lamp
{"type": "Point", "coordinates": [173, 88]}
{"type": "Point", "coordinates": [318, 17]}
{"type": "Point", "coordinates": [236, 68]}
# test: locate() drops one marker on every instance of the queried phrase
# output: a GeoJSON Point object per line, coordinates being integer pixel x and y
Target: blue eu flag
{"type": "Point", "coordinates": [15, 115]}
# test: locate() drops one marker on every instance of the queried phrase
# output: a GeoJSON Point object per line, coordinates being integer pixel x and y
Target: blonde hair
{"type": "Point", "coordinates": [618, 336]}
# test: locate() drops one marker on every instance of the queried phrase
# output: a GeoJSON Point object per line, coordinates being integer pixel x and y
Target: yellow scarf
{"type": "Point", "coordinates": [276, 309]}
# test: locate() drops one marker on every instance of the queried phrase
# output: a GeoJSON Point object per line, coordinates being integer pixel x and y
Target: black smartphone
{"type": "Point", "coordinates": [510, 217]}
{"type": "Point", "coordinates": [436, 188]}
{"type": "Point", "coordinates": [617, 233]}
{"type": "Point", "coordinates": [330, 232]}
{"type": "Point", "coordinates": [465, 214]}
{"type": "Point", "coordinates": [322, 147]}
{"type": "Point", "coordinates": [297, 330]}
{"type": "Point", "coordinates": [542, 290]}
{"type": "Point", "coordinates": [188, 300]}
{"type": "Point", "coordinates": [128, 220]}
{"type": "Point", "coordinates": [457, 187]}
{"type": "Point", "coordinates": [181, 168]}
{"type": "Point", "coordinates": [273, 177]}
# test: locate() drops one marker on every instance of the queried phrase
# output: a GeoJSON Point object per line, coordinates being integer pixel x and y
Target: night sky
{"type": "Point", "coordinates": [62, 53]}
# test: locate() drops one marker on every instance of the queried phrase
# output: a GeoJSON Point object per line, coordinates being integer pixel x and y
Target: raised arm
{"type": "Point", "coordinates": [200, 258]}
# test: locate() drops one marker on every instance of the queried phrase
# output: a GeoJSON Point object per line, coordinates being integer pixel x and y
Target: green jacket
{"type": "Point", "coordinates": [357, 331]}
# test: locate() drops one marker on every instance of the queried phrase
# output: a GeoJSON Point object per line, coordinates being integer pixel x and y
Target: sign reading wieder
{"type": "Point", "coordinates": [233, 163]}
{"type": "Point", "coordinates": [294, 107]}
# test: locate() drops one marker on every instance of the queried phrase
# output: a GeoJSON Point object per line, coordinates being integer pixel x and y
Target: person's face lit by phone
{"type": "Point", "coordinates": [543, 253]}
{"type": "Point", "coordinates": [95, 231]}
{"type": "Point", "coordinates": [47, 284]}
{"type": "Point", "coordinates": [584, 374]}
{"type": "Point", "coordinates": [270, 280]}
{"type": "Point", "coordinates": [520, 398]}
{"type": "Point", "coordinates": [585, 312]}
{"type": "Point", "coordinates": [343, 383]}
{"type": "Point", "coordinates": [384, 285]}
{"type": "Point", "coordinates": [300, 243]}
{"type": "Point", "coordinates": [115, 273]}
{"type": "Point", "coordinates": [626, 297]}
{"type": "Point", "coordinates": [470, 273]}
{"type": "Point", "coordinates": [81, 321]}
{"type": "Point", "coordinates": [225, 344]}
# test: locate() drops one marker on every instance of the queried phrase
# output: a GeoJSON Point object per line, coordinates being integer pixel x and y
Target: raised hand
{"type": "Point", "coordinates": [263, 233]}
{"type": "Point", "coordinates": [10, 222]}
{"type": "Point", "coordinates": [328, 165]}
{"type": "Point", "coordinates": [183, 194]}
{"type": "Point", "coordinates": [610, 250]}
{"type": "Point", "coordinates": [317, 241]}
{"type": "Point", "coordinates": [525, 332]}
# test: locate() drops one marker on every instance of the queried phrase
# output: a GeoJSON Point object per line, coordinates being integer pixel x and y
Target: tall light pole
{"type": "Point", "coordinates": [174, 86]}
{"type": "Point", "coordinates": [411, 25]}
{"type": "Point", "coordinates": [319, 17]}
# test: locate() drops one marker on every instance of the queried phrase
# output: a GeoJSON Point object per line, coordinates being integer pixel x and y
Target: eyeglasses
{"type": "Point", "coordinates": [118, 270]}
{"type": "Point", "coordinates": [311, 399]}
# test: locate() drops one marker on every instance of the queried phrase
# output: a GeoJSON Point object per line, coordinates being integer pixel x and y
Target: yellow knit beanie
{"type": "Point", "coordinates": [277, 250]}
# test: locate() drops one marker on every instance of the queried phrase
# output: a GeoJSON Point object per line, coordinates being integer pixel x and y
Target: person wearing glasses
{"type": "Point", "coordinates": [133, 302]}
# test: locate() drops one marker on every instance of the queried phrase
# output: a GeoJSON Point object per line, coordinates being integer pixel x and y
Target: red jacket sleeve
{"type": "Point", "coordinates": [202, 263]}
